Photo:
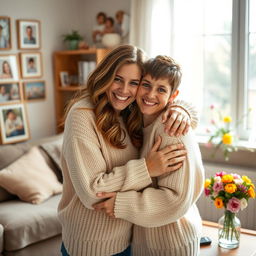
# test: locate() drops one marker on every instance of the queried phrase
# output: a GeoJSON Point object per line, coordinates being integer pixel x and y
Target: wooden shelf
{"type": "Point", "coordinates": [70, 88]}
{"type": "Point", "coordinates": [68, 61]}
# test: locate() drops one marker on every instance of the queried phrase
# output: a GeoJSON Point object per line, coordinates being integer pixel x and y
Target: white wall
{"type": "Point", "coordinates": [90, 8]}
{"type": "Point", "coordinates": [57, 17]}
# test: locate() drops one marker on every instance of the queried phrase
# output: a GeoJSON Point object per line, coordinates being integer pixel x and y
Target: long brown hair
{"type": "Point", "coordinates": [98, 83]}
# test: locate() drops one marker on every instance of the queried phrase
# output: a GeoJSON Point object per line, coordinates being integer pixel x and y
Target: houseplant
{"type": "Point", "coordinates": [232, 192]}
{"type": "Point", "coordinates": [73, 39]}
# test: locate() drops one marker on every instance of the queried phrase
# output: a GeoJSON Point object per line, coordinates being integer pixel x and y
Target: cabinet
{"type": "Point", "coordinates": [68, 61]}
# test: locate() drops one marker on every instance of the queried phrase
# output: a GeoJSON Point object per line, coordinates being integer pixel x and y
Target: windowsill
{"type": "Point", "coordinates": [244, 156]}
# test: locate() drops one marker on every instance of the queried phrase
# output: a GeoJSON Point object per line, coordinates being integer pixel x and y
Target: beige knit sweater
{"type": "Point", "coordinates": [166, 217]}
{"type": "Point", "coordinates": [90, 165]}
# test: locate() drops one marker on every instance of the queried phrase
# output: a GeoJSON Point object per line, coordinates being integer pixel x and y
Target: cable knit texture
{"type": "Point", "coordinates": [170, 199]}
{"type": "Point", "coordinates": [90, 165]}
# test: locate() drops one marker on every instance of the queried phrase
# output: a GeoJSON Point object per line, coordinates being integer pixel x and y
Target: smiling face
{"type": "Point", "coordinates": [123, 90]}
{"type": "Point", "coordinates": [152, 97]}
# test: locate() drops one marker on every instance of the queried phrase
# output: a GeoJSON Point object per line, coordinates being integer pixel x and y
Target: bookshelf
{"type": "Point", "coordinates": [68, 61]}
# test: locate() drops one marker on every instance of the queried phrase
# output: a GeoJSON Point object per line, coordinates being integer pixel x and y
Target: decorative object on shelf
{"type": "Point", "coordinates": [73, 39]}
{"type": "Point", "coordinates": [64, 78]}
{"type": "Point", "coordinates": [111, 40]}
{"type": "Point", "coordinates": [14, 124]}
{"type": "Point", "coordinates": [9, 71]}
{"type": "Point", "coordinates": [232, 192]}
{"type": "Point", "coordinates": [5, 33]}
{"type": "Point", "coordinates": [31, 64]}
{"type": "Point", "coordinates": [222, 134]}
{"type": "Point", "coordinates": [34, 90]}
{"type": "Point", "coordinates": [29, 34]}
{"type": "Point", "coordinates": [10, 93]}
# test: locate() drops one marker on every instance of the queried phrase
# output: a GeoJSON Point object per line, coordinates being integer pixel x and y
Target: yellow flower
{"type": "Point", "coordinates": [227, 138]}
{"type": "Point", "coordinates": [207, 183]}
{"type": "Point", "coordinates": [251, 192]}
{"type": "Point", "coordinates": [246, 179]}
{"type": "Point", "coordinates": [252, 185]}
{"type": "Point", "coordinates": [230, 188]}
{"type": "Point", "coordinates": [227, 119]}
{"type": "Point", "coordinates": [218, 202]}
{"type": "Point", "coordinates": [227, 178]}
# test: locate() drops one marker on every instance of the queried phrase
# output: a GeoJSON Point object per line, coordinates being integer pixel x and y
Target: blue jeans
{"type": "Point", "coordinates": [126, 252]}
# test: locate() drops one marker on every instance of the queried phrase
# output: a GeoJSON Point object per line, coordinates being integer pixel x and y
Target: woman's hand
{"type": "Point", "coordinates": [108, 205]}
{"type": "Point", "coordinates": [166, 160]}
{"type": "Point", "coordinates": [176, 120]}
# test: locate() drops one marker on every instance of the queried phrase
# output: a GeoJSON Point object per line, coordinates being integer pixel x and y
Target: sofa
{"type": "Point", "coordinates": [28, 222]}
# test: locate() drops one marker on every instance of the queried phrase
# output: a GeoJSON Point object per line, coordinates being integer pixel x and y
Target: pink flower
{"type": "Point", "coordinates": [207, 191]}
{"type": "Point", "coordinates": [220, 174]}
{"type": "Point", "coordinates": [236, 176]}
{"type": "Point", "coordinates": [218, 186]}
{"type": "Point", "coordinates": [234, 205]}
{"type": "Point", "coordinates": [242, 188]}
{"type": "Point", "coordinates": [212, 122]}
{"type": "Point", "coordinates": [212, 106]}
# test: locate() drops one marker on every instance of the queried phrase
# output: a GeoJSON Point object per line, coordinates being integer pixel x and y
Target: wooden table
{"type": "Point", "coordinates": [247, 245]}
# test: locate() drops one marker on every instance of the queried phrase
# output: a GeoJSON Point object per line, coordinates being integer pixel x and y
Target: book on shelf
{"type": "Point", "coordinates": [84, 69]}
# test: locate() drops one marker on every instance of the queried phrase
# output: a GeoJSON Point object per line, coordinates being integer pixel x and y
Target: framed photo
{"type": "Point", "coordinates": [34, 90]}
{"type": "Point", "coordinates": [29, 34]}
{"type": "Point", "coordinates": [5, 33]}
{"type": "Point", "coordinates": [31, 65]}
{"type": "Point", "coordinates": [10, 93]}
{"type": "Point", "coordinates": [9, 71]}
{"type": "Point", "coordinates": [14, 125]}
{"type": "Point", "coordinates": [64, 78]}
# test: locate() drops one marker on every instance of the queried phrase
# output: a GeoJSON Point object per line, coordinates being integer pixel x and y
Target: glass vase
{"type": "Point", "coordinates": [229, 230]}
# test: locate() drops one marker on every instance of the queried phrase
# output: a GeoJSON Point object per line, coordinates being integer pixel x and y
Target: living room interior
{"type": "Point", "coordinates": [214, 41]}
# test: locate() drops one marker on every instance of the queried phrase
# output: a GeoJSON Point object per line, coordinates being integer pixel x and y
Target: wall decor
{"type": "Point", "coordinates": [29, 34]}
{"type": "Point", "coordinates": [10, 93]}
{"type": "Point", "coordinates": [14, 123]}
{"type": "Point", "coordinates": [31, 64]}
{"type": "Point", "coordinates": [5, 33]}
{"type": "Point", "coordinates": [34, 90]}
{"type": "Point", "coordinates": [9, 69]}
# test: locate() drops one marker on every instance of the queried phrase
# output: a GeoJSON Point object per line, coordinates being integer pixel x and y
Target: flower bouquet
{"type": "Point", "coordinates": [232, 192]}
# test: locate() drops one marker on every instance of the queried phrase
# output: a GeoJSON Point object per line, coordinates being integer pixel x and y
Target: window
{"type": "Point", "coordinates": [215, 43]}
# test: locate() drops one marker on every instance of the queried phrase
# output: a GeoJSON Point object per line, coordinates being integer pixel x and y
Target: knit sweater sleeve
{"type": "Point", "coordinates": [189, 109]}
{"type": "Point", "coordinates": [87, 168]}
{"type": "Point", "coordinates": [176, 192]}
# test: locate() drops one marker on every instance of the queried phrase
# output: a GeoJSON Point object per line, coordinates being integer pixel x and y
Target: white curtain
{"type": "Point", "coordinates": [151, 27]}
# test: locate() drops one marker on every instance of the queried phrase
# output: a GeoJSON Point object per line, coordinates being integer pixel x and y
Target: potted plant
{"type": "Point", "coordinates": [72, 39]}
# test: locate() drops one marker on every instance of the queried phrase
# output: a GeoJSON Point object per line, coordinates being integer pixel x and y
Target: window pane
{"type": "Point", "coordinates": [252, 14]}
{"type": "Point", "coordinates": [218, 16]}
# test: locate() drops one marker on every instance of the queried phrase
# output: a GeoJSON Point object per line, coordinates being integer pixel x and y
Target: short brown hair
{"type": "Point", "coordinates": [164, 67]}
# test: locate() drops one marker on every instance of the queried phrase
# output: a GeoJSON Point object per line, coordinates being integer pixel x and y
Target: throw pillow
{"type": "Point", "coordinates": [30, 178]}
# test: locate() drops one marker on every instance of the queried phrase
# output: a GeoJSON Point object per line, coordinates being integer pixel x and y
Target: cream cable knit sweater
{"type": "Point", "coordinates": [166, 217]}
{"type": "Point", "coordinates": [90, 165]}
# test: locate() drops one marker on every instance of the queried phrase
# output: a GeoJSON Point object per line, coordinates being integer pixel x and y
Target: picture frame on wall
{"type": "Point", "coordinates": [9, 69]}
{"type": "Point", "coordinates": [14, 123]}
{"type": "Point", "coordinates": [64, 78]}
{"type": "Point", "coordinates": [10, 93]}
{"type": "Point", "coordinates": [5, 33]}
{"type": "Point", "coordinates": [29, 34]}
{"type": "Point", "coordinates": [34, 90]}
{"type": "Point", "coordinates": [31, 64]}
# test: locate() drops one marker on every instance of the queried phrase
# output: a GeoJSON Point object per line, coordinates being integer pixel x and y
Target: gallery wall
{"type": "Point", "coordinates": [57, 17]}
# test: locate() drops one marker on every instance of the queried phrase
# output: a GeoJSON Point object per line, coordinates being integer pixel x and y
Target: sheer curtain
{"type": "Point", "coordinates": [151, 27]}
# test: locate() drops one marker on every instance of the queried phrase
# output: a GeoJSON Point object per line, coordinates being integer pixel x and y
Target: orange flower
{"type": "Point", "coordinates": [218, 202]}
{"type": "Point", "coordinates": [251, 192]}
{"type": "Point", "coordinates": [230, 188]}
{"type": "Point", "coordinates": [227, 178]}
{"type": "Point", "coordinates": [227, 139]}
{"type": "Point", "coordinates": [207, 183]}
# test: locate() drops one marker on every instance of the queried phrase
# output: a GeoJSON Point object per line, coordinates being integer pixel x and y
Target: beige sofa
{"type": "Point", "coordinates": [28, 229]}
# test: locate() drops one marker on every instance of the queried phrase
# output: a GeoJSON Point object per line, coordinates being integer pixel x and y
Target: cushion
{"type": "Point", "coordinates": [1, 238]}
{"type": "Point", "coordinates": [26, 224]}
{"type": "Point", "coordinates": [30, 178]}
{"type": "Point", "coordinates": [8, 154]}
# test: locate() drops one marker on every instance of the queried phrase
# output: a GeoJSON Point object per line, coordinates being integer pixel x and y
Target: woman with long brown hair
{"type": "Point", "coordinates": [100, 152]}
